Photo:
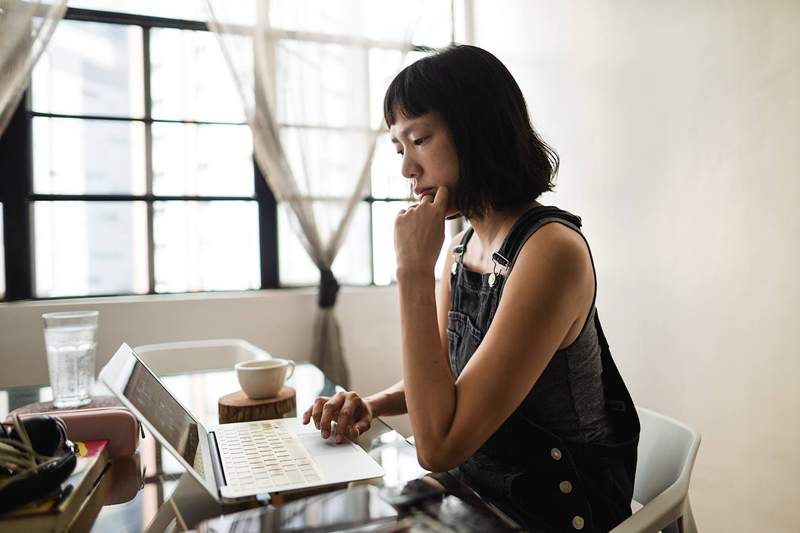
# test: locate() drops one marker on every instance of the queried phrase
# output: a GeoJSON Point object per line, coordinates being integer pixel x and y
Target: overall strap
{"type": "Point", "coordinates": [458, 259]}
{"type": "Point", "coordinates": [459, 249]}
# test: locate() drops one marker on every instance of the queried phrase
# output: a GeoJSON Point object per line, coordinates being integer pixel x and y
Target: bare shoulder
{"type": "Point", "coordinates": [559, 241]}
{"type": "Point", "coordinates": [552, 284]}
{"type": "Point", "coordinates": [557, 249]}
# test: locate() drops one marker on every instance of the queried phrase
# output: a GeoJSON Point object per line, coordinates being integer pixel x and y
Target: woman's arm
{"type": "Point", "coordinates": [392, 401]}
{"type": "Point", "coordinates": [353, 413]}
{"type": "Point", "coordinates": [388, 402]}
{"type": "Point", "coordinates": [541, 300]}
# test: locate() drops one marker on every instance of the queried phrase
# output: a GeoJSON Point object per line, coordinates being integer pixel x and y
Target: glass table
{"type": "Point", "coordinates": [165, 497]}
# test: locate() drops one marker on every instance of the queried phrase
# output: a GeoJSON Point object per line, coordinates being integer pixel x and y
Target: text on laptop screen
{"type": "Point", "coordinates": [158, 406]}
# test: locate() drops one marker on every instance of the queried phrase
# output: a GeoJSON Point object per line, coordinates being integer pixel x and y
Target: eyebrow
{"type": "Point", "coordinates": [404, 131]}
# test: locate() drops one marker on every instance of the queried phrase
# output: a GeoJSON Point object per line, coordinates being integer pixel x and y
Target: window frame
{"type": "Point", "coordinates": [17, 195]}
{"type": "Point", "coordinates": [16, 187]}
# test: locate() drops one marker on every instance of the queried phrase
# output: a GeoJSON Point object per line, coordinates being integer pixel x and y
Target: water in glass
{"type": "Point", "coordinates": [70, 359]}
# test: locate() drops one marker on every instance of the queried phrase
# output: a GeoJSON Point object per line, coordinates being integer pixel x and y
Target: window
{"type": "Point", "coordinates": [367, 255]}
{"type": "Point", "coordinates": [136, 173]}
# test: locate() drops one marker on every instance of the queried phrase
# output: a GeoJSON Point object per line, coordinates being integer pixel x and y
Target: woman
{"type": "Point", "coordinates": [508, 381]}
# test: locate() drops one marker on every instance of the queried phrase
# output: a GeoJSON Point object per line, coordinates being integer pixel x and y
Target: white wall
{"type": "Point", "coordinates": [678, 125]}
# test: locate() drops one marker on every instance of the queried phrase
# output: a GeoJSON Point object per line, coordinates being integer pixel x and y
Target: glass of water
{"type": "Point", "coordinates": [70, 338]}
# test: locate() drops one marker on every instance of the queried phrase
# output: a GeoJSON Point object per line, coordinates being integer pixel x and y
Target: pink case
{"type": "Point", "coordinates": [116, 424]}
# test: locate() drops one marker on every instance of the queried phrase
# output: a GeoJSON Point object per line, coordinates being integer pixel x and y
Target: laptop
{"type": "Point", "coordinates": [240, 460]}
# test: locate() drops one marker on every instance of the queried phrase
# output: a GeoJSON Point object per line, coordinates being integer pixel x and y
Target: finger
{"type": "Point", "coordinates": [329, 413]}
{"type": "Point", "coordinates": [427, 199]}
{"type": "Point", "coordinates": [344, 420]}
{"type": "Point", "coordinates": [316, 412]}
{"type": "Point", "coordinates": [363, 424]}
{"type": "Point", "coordinates": [441, 198]}
{"type": "Point", "coordinates": [307, 414]}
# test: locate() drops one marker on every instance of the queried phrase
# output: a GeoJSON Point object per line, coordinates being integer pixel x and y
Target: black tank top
{"type": "Point", "coordinates": [541, 465]}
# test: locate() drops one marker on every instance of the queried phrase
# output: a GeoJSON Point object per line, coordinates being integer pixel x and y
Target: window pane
{"type": "Point", "coordinates": [384, 65]}
{"type": "Point", "coordinates": [197, 160]}
{"type": "Point", "coordinates": [383, 256]}
{"type": "Point", "coordinates": [434, 25]}
{"type": "Point", "coordinates": [387, 182]}
{"type": "Point", "coordinates": [190, 79]}
{"type": "Point", "coordinates": [321, 84]}
{"type": "Point", "coordinates": [205, 246]}
{"type": "Point", "coordinates": [78, 156]}
{"type": "Point", "coordinates": [323, 160]}
{"type": "Point", "coordinates": [351, 265]}
{"type": "Point", "coordinates": [90, 68]}
{"type": "Point", "coordinates": [85, 248]}
{"type": "Point", "coordinates": [2, 258]}
{"type": "Point", "coordinates": [374, 19]}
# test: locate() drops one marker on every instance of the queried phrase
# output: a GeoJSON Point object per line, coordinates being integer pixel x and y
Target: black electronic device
{"type": "Point", "coordinates": [36, 458]}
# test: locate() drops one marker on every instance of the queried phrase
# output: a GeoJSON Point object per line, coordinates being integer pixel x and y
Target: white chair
{"type": "Point", "coordinates": [667, 450]}
{"type": "Point", "coordinates": [169, 358]}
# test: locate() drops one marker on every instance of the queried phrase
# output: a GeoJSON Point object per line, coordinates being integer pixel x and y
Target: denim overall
{"type": "Point", "coordinates": [544, 477]}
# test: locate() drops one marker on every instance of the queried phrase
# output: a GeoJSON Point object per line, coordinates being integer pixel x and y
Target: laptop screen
{"type": "Point", "coordinates": [161, 409]}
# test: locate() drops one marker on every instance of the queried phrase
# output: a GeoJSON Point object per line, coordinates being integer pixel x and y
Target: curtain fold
{"type": "Point", "coordinates": [311, 85]}
{"type": "Point", "coordinates": [25, 30]}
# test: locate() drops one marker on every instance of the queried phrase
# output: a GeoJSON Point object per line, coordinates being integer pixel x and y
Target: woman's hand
{"type": "Point", "coordinates": [419, 232]}
{"type": "Point", "coordinates": [352, 414]}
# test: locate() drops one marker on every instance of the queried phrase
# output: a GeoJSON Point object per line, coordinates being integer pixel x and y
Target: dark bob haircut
{"type": "Point", "coordinates": [502, 161]}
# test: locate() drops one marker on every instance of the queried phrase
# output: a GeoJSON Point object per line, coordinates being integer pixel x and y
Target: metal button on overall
{"type": "Point", "coordinates": [577, 522]}
{"type": "Point", "coordinates": [565, 487]}
{"type": "Point", "coordinates": [555, 453]}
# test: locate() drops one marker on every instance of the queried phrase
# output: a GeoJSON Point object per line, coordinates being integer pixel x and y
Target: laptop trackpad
{"type": "Point", "coordinates": [316, 445]}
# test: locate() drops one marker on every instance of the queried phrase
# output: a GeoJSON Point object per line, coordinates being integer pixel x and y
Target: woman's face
{"type": "Point", "coordinates": [429, 155]}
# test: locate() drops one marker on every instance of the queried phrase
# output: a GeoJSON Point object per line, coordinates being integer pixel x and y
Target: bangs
{"type": "Point", "coordinates": [411, 94]}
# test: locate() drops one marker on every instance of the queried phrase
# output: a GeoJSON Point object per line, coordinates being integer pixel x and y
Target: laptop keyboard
{"type": "Point", "coordinates": [264, 456]}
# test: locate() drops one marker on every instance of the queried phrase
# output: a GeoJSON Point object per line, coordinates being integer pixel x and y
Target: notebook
{"type": "Point", "coordinates": [241, 460]}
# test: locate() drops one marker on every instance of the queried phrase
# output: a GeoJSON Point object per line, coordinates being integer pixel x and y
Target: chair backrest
{"type": "Point", "coordinates": [195, 356]}
{"type": "Point", "coordinates": [667, 450]}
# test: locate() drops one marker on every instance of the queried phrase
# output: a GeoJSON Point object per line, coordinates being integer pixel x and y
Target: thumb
{"type": "Point", "coordinates": [441, 198]}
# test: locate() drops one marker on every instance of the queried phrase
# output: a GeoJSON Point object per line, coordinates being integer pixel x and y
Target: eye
{"type": "Point", "coordinates": [420, 141]}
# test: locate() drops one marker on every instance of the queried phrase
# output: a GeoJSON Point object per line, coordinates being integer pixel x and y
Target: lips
{"type": "Point", "coordinates": [419, 192]}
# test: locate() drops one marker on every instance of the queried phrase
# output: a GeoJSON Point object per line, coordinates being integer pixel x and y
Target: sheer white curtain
{"type": "Point", "coordinates": [25, 29]}
{"type": "Point", "coordinates": [311, 75]}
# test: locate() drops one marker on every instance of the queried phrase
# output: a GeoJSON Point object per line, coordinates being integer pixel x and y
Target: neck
{"type": "Point", "coordinates": [493, 227]}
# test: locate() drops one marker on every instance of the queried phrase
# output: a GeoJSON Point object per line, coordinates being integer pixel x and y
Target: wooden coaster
{"type": "Point", "coordinates": [237, 407]}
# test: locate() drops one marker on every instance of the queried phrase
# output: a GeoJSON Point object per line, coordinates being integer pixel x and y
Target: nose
{"type": "Point", "coordinates": [410, 168]}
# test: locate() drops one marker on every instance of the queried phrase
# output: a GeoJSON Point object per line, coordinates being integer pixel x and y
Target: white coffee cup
{"type": "Point", "coordinates": [263, 378]}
